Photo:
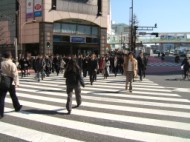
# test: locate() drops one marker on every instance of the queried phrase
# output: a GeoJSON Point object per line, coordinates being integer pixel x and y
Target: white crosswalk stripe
{"type": "Point", "coordinates": [108, 112]}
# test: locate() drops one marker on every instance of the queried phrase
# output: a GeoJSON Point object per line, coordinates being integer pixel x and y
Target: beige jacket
{"type": "Point", "coordinates": [134, 65]}
{"type": "Point", "coordinates": [10, 69]}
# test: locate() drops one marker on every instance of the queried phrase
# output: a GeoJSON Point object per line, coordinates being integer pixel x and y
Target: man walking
{"type": "Point", "coordinates": [9, 69]}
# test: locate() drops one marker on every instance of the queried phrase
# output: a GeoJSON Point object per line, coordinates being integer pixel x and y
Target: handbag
{"type": "Point", "coordinates": [5, 82]}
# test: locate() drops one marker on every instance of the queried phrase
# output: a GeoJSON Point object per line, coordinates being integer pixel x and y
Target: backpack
{"type": "Point", "coordinates": [72, 78]}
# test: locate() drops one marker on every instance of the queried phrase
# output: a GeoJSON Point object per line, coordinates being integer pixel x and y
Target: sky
{"type": "Point", "coordinates": [170, 15]}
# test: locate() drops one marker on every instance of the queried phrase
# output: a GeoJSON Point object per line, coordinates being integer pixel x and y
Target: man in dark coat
{"type": "Point", "coordinates": [93, 67]}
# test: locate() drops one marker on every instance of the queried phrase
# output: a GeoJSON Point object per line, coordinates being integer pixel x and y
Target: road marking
{"type": "Point", "coordinates": [103, 130]}
{"type": "Point", "coordinates": [30, 135]}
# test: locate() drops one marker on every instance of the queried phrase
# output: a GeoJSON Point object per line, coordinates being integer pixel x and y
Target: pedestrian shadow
{"type": "Point", "coordinates": [59, 91]}
{"type": "Point", "coordinates": [45, 112]}
{"type": "Point", "coordinates": [175, 79]}
{"type": "Point", "coordinates": [104, 92]}
{"type": "Point", "coordinates": [116, 82]}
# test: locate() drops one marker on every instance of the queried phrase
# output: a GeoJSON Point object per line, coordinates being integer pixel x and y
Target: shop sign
{"type": "Point", "coordinates": [77, 39]}
{"type": "Point", "coordinates": [37, 8]}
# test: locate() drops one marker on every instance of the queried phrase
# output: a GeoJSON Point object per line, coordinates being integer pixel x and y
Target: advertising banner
{"type": "Point", "coordinates": [37, 8]}
{"type": "Point", "coordinates": [29, 9]}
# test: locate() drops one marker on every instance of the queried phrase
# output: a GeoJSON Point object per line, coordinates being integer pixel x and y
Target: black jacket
{"type": "Point", "coordinates": [73, 79]}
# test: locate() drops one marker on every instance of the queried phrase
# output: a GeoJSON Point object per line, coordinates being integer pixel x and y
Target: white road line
{"type": "Point", "coordinates": [126, 101]}
{"type": "Point", "coordinates": [103, 106]}
{"type": "Point", "coordinates": [102, 130]}
{"type": "Point", "coordinates": [31, 135]}
{"type": "Point", "coordinates": [108, 85]}
{"type": "Point", "coordinates": [121, 118]}
{"type": "Point", "coordinates": [103, 89]}
{"type": "Point", "coordinates": [110, 94]}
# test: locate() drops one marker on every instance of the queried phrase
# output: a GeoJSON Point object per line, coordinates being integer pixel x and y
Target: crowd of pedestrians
{"type": "Point", "coordinates": [74, 69]}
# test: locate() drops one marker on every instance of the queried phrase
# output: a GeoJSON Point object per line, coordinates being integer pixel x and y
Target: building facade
{"type": "Point", "coordinates": [8, 23]}
{"type": "Point", "coordinates": [119, 37]}
{"type": "Point", "coordinates": [58, 26]}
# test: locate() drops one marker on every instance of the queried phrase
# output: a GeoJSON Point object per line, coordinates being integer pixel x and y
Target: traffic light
{"type": "Point", "coordinates": [136, 27]}
{"type": "Point", "coordinates": [48, 44]}
{"type": "Point", "coordinates": [156, 34]}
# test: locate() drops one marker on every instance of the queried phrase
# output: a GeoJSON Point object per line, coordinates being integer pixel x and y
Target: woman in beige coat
{"type": "Point", "coordinates": [130, 69]}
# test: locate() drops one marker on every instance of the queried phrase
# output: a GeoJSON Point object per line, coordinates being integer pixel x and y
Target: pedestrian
{"type": "Point", "coordinates": [40, 67]}
{"type": "Point", "coordinates": [47, 67]}
{"type": "Point", "coordinates": [141, 65]}
{"type": "Point", "coordinates": [130, 68]}
{"type": "Point", "coordinates": [163, 56]}
{"type": "Point", "coordinates": [100, 64]}
{"type": "Point", "coordinates": [24, 64]}
{"type": "Point", "coordinates": [57, 62]}
{"type": "Point", "coordinates": [73, 82]}
{"type": "Point", "coordinates": [85, 66]}
{"type": "Point", "coordinates": [115, 65]}
{"type": "Point", "coordinates": [186, 66]}
{"type": "Point", "coordinates": [93, 68]}
{"type": "Point", "coordinates": [8, 68]}
{"type": "Point", "coordinates": [106, 67]}
{"type": "Point", "coordinates": [62, 65]}
{"type": "Point", "coordinates": [120, 64]}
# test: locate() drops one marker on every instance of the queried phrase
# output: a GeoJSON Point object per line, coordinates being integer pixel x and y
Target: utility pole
{"type": "Point", "coordinates": [131, 31]}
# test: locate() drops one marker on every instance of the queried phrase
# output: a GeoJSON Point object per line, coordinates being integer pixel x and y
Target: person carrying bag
{"type": "Point", "coordinates": [9, 82]}
{"type": "Point", "coordinates": [5, 81]}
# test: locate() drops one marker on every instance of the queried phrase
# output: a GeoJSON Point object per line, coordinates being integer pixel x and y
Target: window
{"type": "Point", "coordinates": [57, 27]}
{"type": "Point", "coordinates": [94, 30]}
{"type": "Point", "coordinates": [68, 28]}
{"type": "Point", "coordinates": [83, 29]}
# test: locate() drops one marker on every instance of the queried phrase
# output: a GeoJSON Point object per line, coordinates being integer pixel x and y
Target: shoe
{"type": "Point", "coordinates": [19, 108]}
{"type": "Point", "coordinates": [78, 105]}
{"type": "Point", "coordinates": [69, 112]}
{"type": "Point", "coordinates": [130, 90]}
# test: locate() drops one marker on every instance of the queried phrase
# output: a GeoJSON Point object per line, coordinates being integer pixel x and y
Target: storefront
{"type": "Point", "coordinates": [56, 26]}
{"type": "Point", "coordinates": [72, 37]}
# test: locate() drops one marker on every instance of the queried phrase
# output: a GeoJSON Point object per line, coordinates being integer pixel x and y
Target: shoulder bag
{"type": "Point", "coordinates": [5, 81]}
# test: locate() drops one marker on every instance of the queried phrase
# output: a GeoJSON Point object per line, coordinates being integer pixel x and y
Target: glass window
{"type": "Point", "coordinates": [68, 28]}
{"type": "Point", "coordinates": [57, 27]}
{"type": "Point", "coordinates": [83, 29]}
{"type": "Point", "coordinates": [94, 30]}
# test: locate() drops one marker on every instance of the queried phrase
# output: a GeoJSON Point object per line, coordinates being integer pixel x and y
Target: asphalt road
{"type": "Point", "coordinates": [173, 81]}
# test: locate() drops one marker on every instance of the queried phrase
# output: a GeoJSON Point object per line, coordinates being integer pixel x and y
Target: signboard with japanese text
{"type": "Point", "coordinates": [29, 9]}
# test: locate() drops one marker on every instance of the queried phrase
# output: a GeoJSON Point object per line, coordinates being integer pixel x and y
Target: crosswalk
{"type": "Point", "coordinates": [108, 113]}
{"type": "Point", "coordinates": [163, 64]}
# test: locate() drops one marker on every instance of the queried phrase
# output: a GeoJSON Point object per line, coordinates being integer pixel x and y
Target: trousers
{"type": "Point", "coordinates": [14, 98]}
{"type": "Point", "coordinates": [69, 97]}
